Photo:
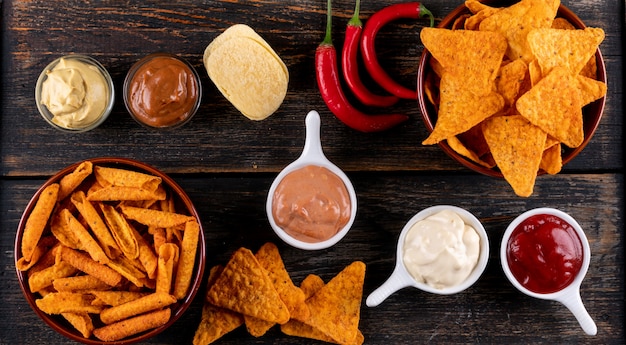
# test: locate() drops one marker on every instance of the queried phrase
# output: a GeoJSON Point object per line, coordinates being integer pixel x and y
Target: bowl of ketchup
{"type": "Point", "coordinates": [545, 254]}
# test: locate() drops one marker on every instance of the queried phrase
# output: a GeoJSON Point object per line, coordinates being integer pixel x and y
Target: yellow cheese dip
{"type": "Point", "coordinates": [441, 250]}
{"type": "Point", "coordinates": [75, 92]}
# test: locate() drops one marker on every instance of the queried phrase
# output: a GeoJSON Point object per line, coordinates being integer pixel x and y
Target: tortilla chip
{"type": "Point", "coordinates": [336, 307]}
{"type": "Point", "coordinates": [590, 89]}
{"type": "Point", "coordinates": [245, 287]}
{"type": "Point", "coordinates": [473, 57]}
{"type": "Point", "coordinates": [215, 321]}
{"type": "Point", "coordinates": [461, 149]}
{"type": "Point", "coordinates": [554, 105]}
{"type": "Point", "coordinates": [517, 146]}
{"type": "Point", "coordinates": [551, 160]}
{"type": "Point", "coordinates": [510, 79]}
{"type": "Point", "coordinates": [460, 110]}
{"type": "Point", "coordinates": [311, 284]}
{"type": "Point", "coordinates": [72, 180]}
{"type": "Point", "coordinates": [571, 49]}
{"type": "Point", "coordinates": [37, 220]}
{"type": "Point", "coordinates": [156, 218]}
{"type": "Point", "coordinates": [107, 176]}
{"type": "Point", "coordinates": [517, 20]}
{"type": "Point", "coordinates": [67, 302]}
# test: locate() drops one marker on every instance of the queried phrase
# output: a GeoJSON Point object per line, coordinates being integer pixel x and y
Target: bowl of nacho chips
{"type": "Point", "coordinates": [110, 250]}
{"type": "Point", "coordinates": [512, 89]}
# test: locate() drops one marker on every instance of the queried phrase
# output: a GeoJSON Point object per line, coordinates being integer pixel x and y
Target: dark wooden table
{"type": "Point", "coordinates": [226, 164]}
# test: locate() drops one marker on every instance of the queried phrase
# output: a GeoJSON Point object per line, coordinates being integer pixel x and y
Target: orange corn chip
{"type": "Point", "coordinates": [167, 260]}
{"type": "Point", "coordinates": [67, 302]}
{"type": "Point", "coordinates": [135, 307]}
{"type": "Point", "coordinates": [156, 218]}
{"type": "Point", "coordinates": [137, 324]}
{"type": "Point", "coordinates": [510, 79]}
{"type": "Point", "coordinates": [78, 283]}
{"type": "Point", "coordinates": [215, 321]}
{"type": "Point", "coordinates": [71, 181]}
{"type": "Point", "coordinates": [571, 49]}
{"type": "Point", "coordinates": [115, 298]}
{"type": "Point", "coordinates": [473, 57]}
{"type": "Point", "coordinates": [87, 242]}
{"type": "Point", "coordinates": [188, 250]}
{"type": "Point", "coordinates": [81, 322]}
{"type": "Point", "coordinates": [311, 284]}
{"type": "Point", "coordinates": [117, 193]}
{"type": "Point", "coordinates": [461, 110]}
{"type": "Point", "coordinates": [126, 178]}
{"type": "Point", "coordinates": [554, 105]}
{"type": "Point", "coordinates": [461, 149]}
{"type": "Point", "coordinates": [85, 264]}
{"type": "Point", "coordinates": [40, 280]}
{"type": "Point", "coordinates": [245, 287]}
{"type": "Point", "coordinates": [37, 220]}
{"type": "Point", "coordinates": [590, 89]}
{"type": "Point", "coordinates": [121, 231]}
{"type": "Point", "coordinates": [336, 307]}
{"type": "Point", "coordinates": [517, 146]}
{"type": "Point", "coordinates": [517, 20]}
{"type": "Point", "coordinates": [96, 224]}
{"type": "Point", "coordinates": [551, 160]}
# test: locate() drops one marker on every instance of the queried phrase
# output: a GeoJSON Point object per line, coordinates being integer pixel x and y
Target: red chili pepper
{"type": "Point", "coordinates": [350, 68]}
{"type": "Point", "coordinates": [327, 74]}
{"type": "Point", "coordinates": [413, 10]}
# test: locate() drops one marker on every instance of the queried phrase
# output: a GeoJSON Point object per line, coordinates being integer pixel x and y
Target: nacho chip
{"type": "Point", "coordinates": [461, 149]}
{"type": "Point", "coordinates": [473, 57]}
{"type": "Point", "coordinates": [554, 105]}
{"type": "Point", "coordinates": [291, 295]}
{"type": "Point", "coordinates": [215, 321]}
{"type": "Point", "coordinates": [245, 287]}
{"type": "Point", "coordinates": [517, 146]}
{"type": "Point", "coordinates": [590, 89]}
{"type": "Point", "coordinates": [311, 284]}
{"type": "Point", "coordinates": [510, 79]}
{"type": "Point", "coordinates": [336, 307]}
{"type": "Point", "coordinates": [517, 20]}
{"type": "Point", "coordinates": [571, 49]}
{"type": "Point", "coordinates": [461, 110]}
{"type": "Point", "coordinates": [551, 160]}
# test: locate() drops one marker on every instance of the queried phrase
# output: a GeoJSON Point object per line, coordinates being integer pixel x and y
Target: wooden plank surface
{"type": "Point", "coordinates": [226, 164]}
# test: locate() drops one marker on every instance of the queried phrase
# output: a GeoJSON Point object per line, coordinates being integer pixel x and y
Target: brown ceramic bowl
{"type": "Point", "coordinates": [592, 113]}
{"type": "Point", "coordinates": [184, 205]}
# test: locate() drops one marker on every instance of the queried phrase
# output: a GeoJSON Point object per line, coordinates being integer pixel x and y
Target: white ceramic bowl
{"type": "Point", "coordinates": [312, 154]}
{"type": "Point", "coordinates": [570, 295]}
{"type": "Point", "coordinates": [400, 278]}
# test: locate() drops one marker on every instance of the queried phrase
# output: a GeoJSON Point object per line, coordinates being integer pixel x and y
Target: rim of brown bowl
{"type": "Point", "coordinates": [592, 113]}
{"type": "Point", "coordinates": [61, 326]}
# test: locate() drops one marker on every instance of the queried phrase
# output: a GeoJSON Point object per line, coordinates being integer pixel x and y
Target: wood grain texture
{"type": "Point", "coordinates": [492, 311]}
{"type": "Point", "coordinates": [226, 164]}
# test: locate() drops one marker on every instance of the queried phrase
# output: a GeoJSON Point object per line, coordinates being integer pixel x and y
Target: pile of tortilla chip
{"type": "Point", "coordinates": [256, 290]}
{"type": "Point", "coordinates": [107, 250]}
{"type": "Point", "coordinates": [509, 85]}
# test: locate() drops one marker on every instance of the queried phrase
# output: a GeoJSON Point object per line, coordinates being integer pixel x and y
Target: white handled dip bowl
{"type": "Point", "coordinates": [568, 295]}
{"type": "Point", "coordinates": [401, 278]}
{"type": "Point", "coordinates": [312, 155]}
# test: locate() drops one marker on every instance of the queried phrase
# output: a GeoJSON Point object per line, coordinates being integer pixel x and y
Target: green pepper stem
{"type": "Point", "coordinates": [423, 11]}
{"type": "Point", "coordinates": [329, 16]}
{"type": "Point", "coordinates": [355, 21]}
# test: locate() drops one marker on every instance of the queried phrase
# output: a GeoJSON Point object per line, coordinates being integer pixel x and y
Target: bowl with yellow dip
{"type": "Point", "coordinates": [443, 250]}
{"type": "Point", "coordinates": [74, 93]}
{"type": "Point", "coordinates": [162, 91]}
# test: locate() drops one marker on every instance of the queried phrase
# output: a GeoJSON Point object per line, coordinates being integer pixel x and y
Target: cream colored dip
{"type": "Point", "coordinates": [75, 92]}
{"type": "Point", "coordinates": [441, 250]}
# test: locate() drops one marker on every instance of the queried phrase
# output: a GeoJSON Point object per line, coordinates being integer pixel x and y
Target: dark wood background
{"type": "Point", "coordinates": [226, 164]}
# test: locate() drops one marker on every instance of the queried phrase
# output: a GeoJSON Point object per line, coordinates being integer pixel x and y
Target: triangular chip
{"type": "Point", "coordinates": [571, 49]}
{"type": "Point", "coordinates": [245, 287]}
{"type": "Point", "coordinates": [473, 57]}
{"type": "Point", "coordinates": [516, 21]}
{"type": "Point", "coordinates": [554, 105]}
{"type": "Point", "coordinates": [590, 89]}
{"type": "Point", "coordinates": [551, 160]}
{"type": "Point", "coordinates": [510, 79]}
{"type": "Point", "coordinates": [460, 110]}
{"type": "Point", "coordinates": [216, 321]}
{"type": "Point", "coordinates": [461, 149]}
{"type": "Point", "coordinates": [336, 307]}
{"type": "Point", "coordinates": [517, 146]}
{"type": "Point", "coordinates": [291, 295]}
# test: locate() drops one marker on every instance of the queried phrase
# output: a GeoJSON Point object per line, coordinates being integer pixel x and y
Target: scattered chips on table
{"type": "Point", "coordinates": [255, 289]}
{"type": "Point", "coordinates": [534, 86]}
{"type": "Point", "coordinates": [97, 267]}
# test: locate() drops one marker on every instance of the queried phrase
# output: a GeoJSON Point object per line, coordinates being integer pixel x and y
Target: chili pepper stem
{"type": "Point", "coordinates": [329, 17]}
{"type": "Point", "coordinates": [423, 11]}
{"type": "Point", "coordinates": [355, 20]}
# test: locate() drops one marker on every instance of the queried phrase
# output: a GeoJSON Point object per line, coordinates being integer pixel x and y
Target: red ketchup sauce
{"type": "Point", "coordinates": [544, 253]}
